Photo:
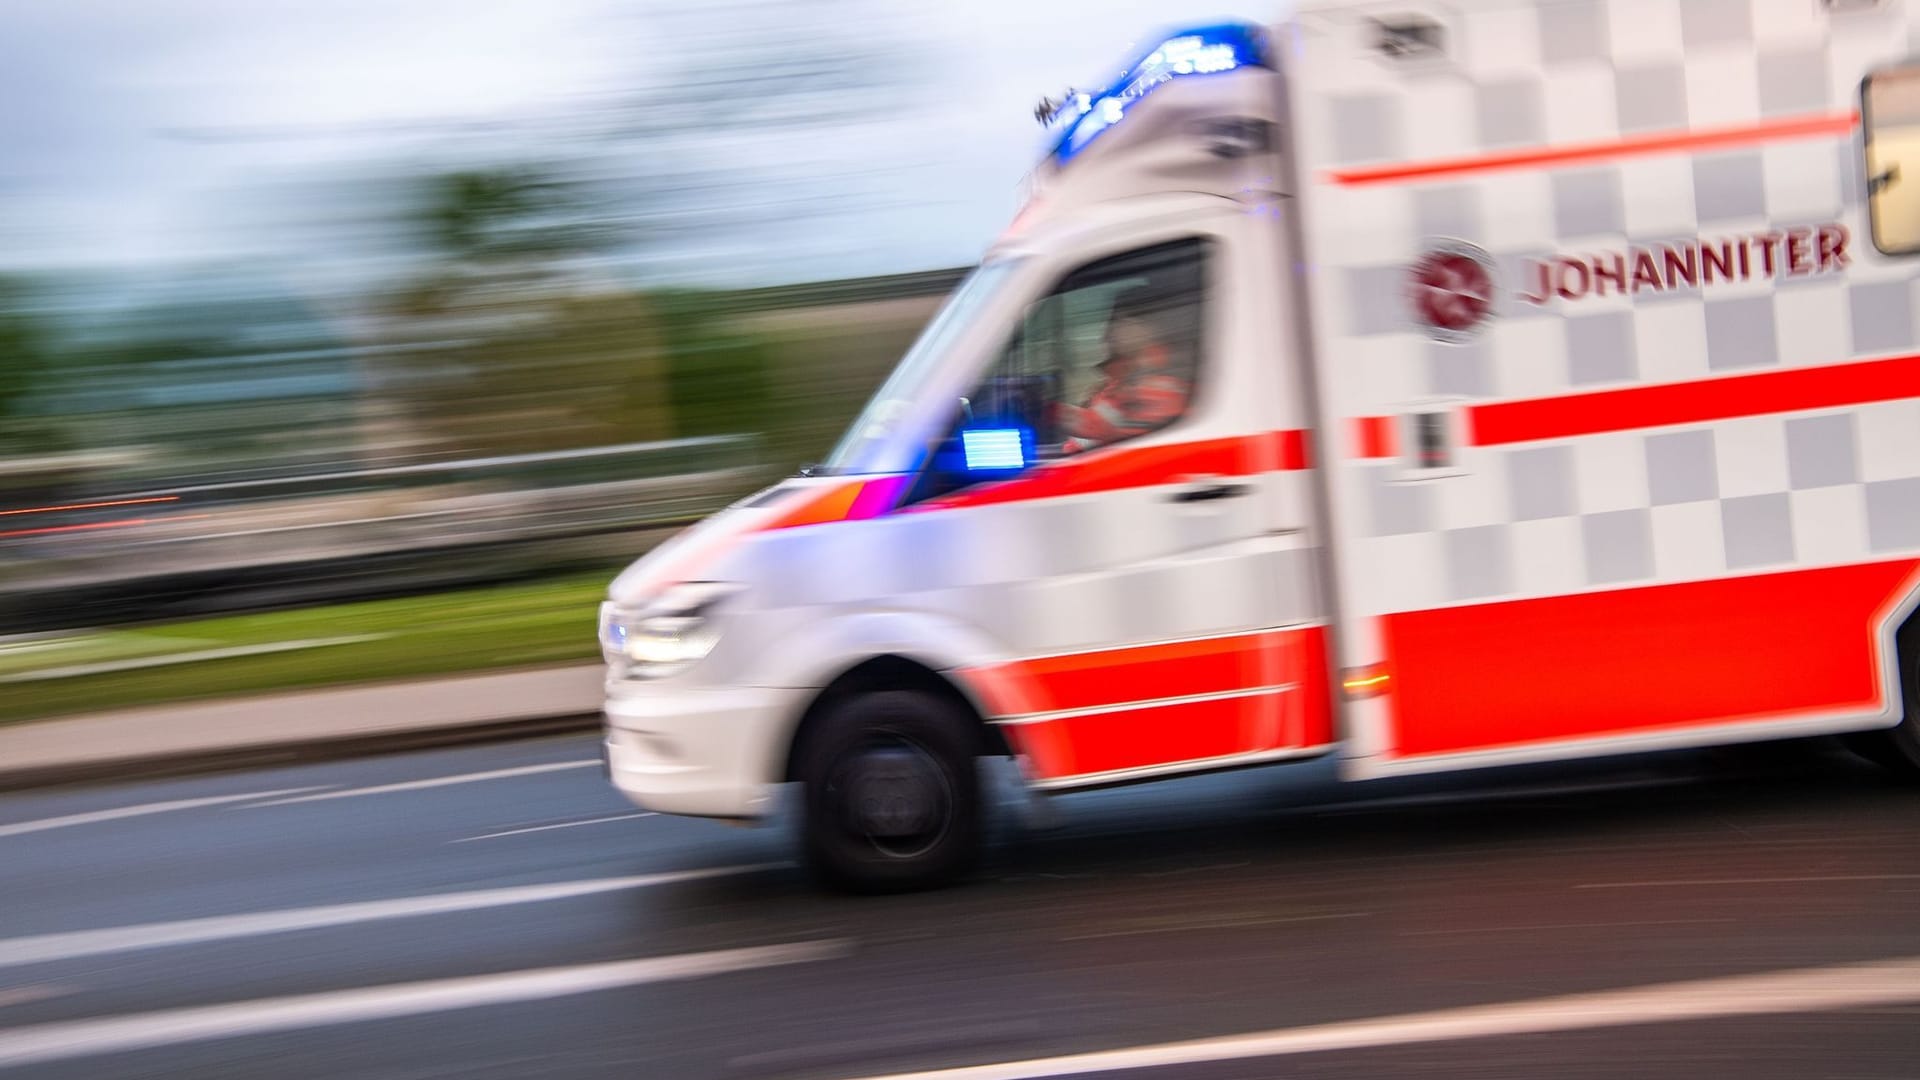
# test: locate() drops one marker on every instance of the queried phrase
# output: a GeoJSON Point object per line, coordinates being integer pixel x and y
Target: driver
{"type": "Point", "coordinates": [1137, 392]}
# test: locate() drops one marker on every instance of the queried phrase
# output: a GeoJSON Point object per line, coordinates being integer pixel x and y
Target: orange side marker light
{"type": "Point", "coordinates": [1365, 682]}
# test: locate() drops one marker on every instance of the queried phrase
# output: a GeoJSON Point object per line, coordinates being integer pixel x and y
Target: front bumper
{"type": "Point", "coordinates": [704, 752]}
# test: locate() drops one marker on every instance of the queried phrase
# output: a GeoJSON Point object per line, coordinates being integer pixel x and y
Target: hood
{"type": "Point", "coordinates": [705, 551]}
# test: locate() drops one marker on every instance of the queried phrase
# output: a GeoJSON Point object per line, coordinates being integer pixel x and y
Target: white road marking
{"type": "Point", "coordinates": [21, 995]}
{"type": "Point", "coordinates": [38, 1043]}
{"type": "Point", "coordinates": [1690, 882]}
{"type": "Point", "coordinates": [1186, 925]}
{"type": "Point", "coordinates": [41, 948]}
{"type": "Point", "coordinates": [108, 667]}
{"type": "Point", "coordinates": [561, 825]}
{"type": "Point", "coordinates": [1847, 986]}
{"type": "Point", "coordinates": [21, 827]}
{"type": "Point", "coordinates": [1521, 928]}
{"type": "Point", "coordinates": [434, 782]}
{"type": "Point", "coordinates": [16, 648]}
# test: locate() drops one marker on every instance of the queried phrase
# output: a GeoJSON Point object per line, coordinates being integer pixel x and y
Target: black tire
{"type": "Point", "coordinates": [1897, 749]}
{"type": "Point", "coordinates": [891, 792]}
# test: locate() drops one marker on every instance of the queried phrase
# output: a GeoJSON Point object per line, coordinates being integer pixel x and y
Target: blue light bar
{"type": "Point", "coordinates": [1204, 51]}
{"type": "Point", "coordinates": [995, 449]}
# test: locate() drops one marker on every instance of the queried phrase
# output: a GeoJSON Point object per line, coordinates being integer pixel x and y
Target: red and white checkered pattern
{"type": "Point", "coordinates": [1621, 508]}
{"type": "Point", "coordinates": [1049, 576]}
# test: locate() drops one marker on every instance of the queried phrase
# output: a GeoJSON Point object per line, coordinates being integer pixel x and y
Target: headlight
{"type": "Point", "coordinates": [673, 632]}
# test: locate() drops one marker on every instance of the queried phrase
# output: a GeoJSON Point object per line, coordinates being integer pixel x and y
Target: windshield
{"type": "Point", "coordinates": [863, 449]}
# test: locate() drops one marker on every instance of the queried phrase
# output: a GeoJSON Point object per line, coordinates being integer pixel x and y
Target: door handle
{"type": "Point", "coordinates": [1210, 492]}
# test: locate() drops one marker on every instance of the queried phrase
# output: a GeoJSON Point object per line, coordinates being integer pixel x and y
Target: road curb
{"type": "Point", "coordinates": [294, 727]}
{"type": "Point", "coordinates": [292, 752]}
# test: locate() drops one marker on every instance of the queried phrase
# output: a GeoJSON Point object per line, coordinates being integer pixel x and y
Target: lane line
{"type": "Point", "coordinates": [1690, 882]}
{"type": "Point", "coordinates": [1804, 990]}
{"type": "Point", "coordinates": [20, 828]}
{"type": "Point", "coordinates": [39, 1043]}
{"type": "Point", "coordinates": [562, 825]}
{"type": "Point", "coordinates": [1216, 924]}
{"type": "Point", "coordinates": [23, 995]}
{"type": "Point", "coordinates": [72, 944]}
{"type": "Point", "coordinates": [1526, 927]}
{"type": "Point", "coordinates": [434, 782]}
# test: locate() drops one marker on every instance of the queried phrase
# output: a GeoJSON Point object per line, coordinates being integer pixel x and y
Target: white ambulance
{"type": "Point", "coordinates": [1432, 384]}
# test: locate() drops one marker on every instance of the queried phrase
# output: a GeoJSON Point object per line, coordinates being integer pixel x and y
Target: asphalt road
{"type": "Point", "coordinates": [497, 911]}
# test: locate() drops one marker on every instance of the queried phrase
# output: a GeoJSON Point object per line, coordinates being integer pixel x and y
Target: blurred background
{"type": "Point", "coordinates": [348, 339]}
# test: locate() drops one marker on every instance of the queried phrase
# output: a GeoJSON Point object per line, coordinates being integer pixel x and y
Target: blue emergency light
{"type": "Point", "coordinates": [995, 449]}
{"type": "Point", "coordinates": [1207, 50]}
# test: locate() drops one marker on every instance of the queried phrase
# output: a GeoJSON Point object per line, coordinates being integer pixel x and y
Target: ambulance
{"type": "Point", "coordinates": [1433, 385]}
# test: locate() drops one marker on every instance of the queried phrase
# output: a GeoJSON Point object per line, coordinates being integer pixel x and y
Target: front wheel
{"type": "Point", "coordinates": [892, 792]}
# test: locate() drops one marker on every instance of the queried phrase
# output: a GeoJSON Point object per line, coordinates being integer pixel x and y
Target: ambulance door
{"type": "Point", "coordinates": [1111, 471]}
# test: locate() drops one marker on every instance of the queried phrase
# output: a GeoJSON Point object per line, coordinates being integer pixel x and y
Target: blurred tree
{"type": "Point", "coordinates": [718, 369]}
{"type": "Point", "coordinates": [508, 340]}
{"type": "Point", "coordinates": [28, 365]}
{"type": "Point", "coordinates": [527, 326]}
{"type": "Point", "coordinates": [230, 370]}
{"type": "Point", "coordinates": [726, 131]}
{"type": "Point", "coordinates": [731, 65]}
{"type": "Point", "coordinates": [520, 213]}
{"type": "Point", "coordinates": [23, 352]}
{"type": "Point", "coordinates": [734, 118]}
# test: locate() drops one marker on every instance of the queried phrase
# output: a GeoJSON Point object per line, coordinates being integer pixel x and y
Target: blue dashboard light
{"type": "Point", "coordinates": [994, 449]}
{"type": "Point", "coordinates": [1204, 51]}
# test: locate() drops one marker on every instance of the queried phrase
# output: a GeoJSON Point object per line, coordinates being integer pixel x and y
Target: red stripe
{"type": "Point", "coordinates": [1693, 140]}
{"type": "Point", "coordinates": [831, 503]}
{"type": "Point", "coordinates": [1147, 735]}
{"type": "Point", "coordinates": [1790, 390]}
{"type": "Point", "coordinates": [1117, 676]}
{"type": "Point", "coordinates": [1295, 453]}
{"type": "Point", "coordinates": [1112, 469]}
{"type": "Point", "coordinates": [1308, 666]}
{"type": "Point", "coordinates": [1121, 467]}
{"type": "Point", "coordinates": [1638, 660]}
{"type": "Point", "coordinates": [1133, 738]}
{"type": "Point", "coordinates": [878, 496]}
{"type": "Point", "coordinates": [851, 500]}
{"type": "Point", "coordinates": [1374, 437]}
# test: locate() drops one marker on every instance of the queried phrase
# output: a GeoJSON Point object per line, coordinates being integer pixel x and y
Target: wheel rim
{"type": "Point", "coordinates": [893, 794]}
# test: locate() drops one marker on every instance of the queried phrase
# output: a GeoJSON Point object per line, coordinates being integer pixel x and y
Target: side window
{"type": "Point", "coordinates": [1890, 114]}
{"type": "Point", "coordinates": [1111, 353]}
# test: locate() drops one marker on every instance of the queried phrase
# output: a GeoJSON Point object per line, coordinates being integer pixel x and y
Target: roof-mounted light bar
{"type": "Point", "coordinates": [1204, 51]}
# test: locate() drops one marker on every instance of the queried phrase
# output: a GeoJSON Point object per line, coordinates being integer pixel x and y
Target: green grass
{"type": "Point", "coordinates": [551, 621]}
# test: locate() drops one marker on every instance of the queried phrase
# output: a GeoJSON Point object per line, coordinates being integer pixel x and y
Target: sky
{"type": "Point", "coordinates": [163, 133]}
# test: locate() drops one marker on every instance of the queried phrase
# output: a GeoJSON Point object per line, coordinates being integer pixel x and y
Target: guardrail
{"type": "Point", "coordinates": [599, 464]}
{"type": "Point", "coordinates": [347, 533]}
